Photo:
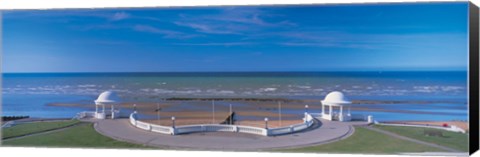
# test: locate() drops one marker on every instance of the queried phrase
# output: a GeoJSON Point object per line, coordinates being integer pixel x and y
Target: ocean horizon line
{"type": "Point", "coordinates": [146, 72]}
{"type": "Point", "coordinates": [243, 74]}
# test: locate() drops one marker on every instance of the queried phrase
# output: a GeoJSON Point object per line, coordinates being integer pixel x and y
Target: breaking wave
{"type": "Point", "coordinates": [246, 91]}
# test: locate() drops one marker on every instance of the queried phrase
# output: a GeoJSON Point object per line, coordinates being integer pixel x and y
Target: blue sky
{"type": "Point", "coordinates": [423, 36]}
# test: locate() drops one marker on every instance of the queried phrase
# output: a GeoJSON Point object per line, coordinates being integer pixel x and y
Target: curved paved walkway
{"type": "Point", "coordinates": [321, 132]}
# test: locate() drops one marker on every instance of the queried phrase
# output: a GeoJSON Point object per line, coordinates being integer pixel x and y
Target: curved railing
{"type": "Point", "coordinates": [84, 114]}
{"type": "Point", "coordinates": [308, 121]}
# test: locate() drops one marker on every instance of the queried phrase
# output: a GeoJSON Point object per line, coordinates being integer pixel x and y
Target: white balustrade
{"type": "Point", "coordinates": [189, 129]}
{"type": "Point", "coordinates": [280, 131]}
{"type": "Point", "coordinates": [219, 127]}
{"type": "Point", "coordinates": [299, 127]}
{"type": "Point", "coordinates": [161, 129]}
{"type": "Point", "coordinates": [143, 125]}
{"type": "Point", "coordinates": [133, 121]}
{"type": "Point", "coordinates": [226, 128]}
{"type": "Point", "coordinates": [251, 130]}
{"type": "Point", "coordinates": [359, 117]}
{"type": "Point", "coordinates": [85, 114]}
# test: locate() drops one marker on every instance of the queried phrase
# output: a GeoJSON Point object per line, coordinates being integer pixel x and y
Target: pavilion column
{"type": "Point", "coordinates": [103, 108]}
{"type": "Point", "coordinates": [96, 108]}
{"type": "Point", "coordinates": [341, 110]}
{"type": "Point", "coordinates": [323, 109]}
{"type": "Point", "coordinates": [330, 111]}
{"type": "Point", "coordinates": [112, 114]}
{"type": "Point", "coordinates": [349, 110]}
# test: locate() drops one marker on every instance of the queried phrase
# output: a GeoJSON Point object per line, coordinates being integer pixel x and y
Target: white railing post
{"type": "Point", "coordinates": [172, 131]}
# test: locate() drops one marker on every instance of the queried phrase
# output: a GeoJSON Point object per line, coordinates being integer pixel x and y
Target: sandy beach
{"type": "Point", "coordinates": [249, 108]}
{"type": "Point", "coordinates": [251, 111]}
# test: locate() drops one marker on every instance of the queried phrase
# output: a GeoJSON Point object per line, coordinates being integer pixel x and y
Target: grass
{"type": "Point", "coordinates": [83, 135]}
{"type": "Point", "coordinates": [362, 141]}
{"type": "Point", "coordinates": [35, 127]}
{"type": "Point", "coordinates": [449, 139]}
{"type": "Point", "coordinates": [367, 142]}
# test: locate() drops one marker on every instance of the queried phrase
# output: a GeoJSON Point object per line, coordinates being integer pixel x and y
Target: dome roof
{"type": "Point", "coordinates": [336, 98]}
{"type": "Point", "coordinates": [107, 97]}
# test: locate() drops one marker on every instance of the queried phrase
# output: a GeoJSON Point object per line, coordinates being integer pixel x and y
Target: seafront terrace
{"type": "Point", "coordinates": [321, 131]}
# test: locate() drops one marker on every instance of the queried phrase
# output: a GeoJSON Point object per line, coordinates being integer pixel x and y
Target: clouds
{"type": "Point", "coordinates": [259, 37]}
{"type": "Point", "coordinates": [236, 21]}
{"type": "Point", "coordinates": [375, 41]}
{"type": "Point", "coordinates": [239, 26]}
{"type": "Point", "coordinates": [164, 33]}
{"type": "Point", "coordinates": [246, 26]}
{"type": "Point", "coordinates": [119, 16]}
{"type": "Point", "coordinates": [218, 44]}
{"type": "Point", "coordinates": [67, 14]}
{"type": "Point", "coordinates": [227, 26]}
{"type": "Point", "coordinates": [122, 20]}
{"type": "Point", "coordinates": [209, 28]}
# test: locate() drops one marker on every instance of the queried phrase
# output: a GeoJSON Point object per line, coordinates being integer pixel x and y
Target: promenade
{"type": "Point", "coordinates": [322, 131]}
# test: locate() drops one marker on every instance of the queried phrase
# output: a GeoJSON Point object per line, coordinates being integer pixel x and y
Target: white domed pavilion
{"type": "Point", "coordinates": [334, 100]}
{"type": "Point", "coordinates": [104, 99]}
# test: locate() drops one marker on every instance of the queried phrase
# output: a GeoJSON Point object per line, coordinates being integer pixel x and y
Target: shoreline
{"type": "Point", "coordinates": [267, 106]}
{"type": "Point", "coordinates": [284, 101]}
{"type": "Point", "coordinates": [248, 108]}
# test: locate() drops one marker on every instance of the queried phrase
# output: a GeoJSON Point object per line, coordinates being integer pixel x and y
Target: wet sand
{"type": "Point", "coordinates": [249, 111]}
{"type": "Point", "coordinates": [129, 105]}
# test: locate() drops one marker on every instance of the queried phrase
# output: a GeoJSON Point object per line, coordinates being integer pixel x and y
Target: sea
{"type": "Point", "coordinates": [30, 93]}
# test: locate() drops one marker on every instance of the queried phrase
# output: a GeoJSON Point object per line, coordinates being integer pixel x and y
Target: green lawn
{"type": "Point", "coordinates": [367, 142]}
{"type": "Point", "coordinates": [450, 139]}
{"type": "Point", "coordinates": [83, 135]}
{"type": "Point", "coordinates": [34, 127]}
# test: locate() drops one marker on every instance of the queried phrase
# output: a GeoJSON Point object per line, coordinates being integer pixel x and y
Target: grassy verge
{"type": "Point", "coordinates": [367, 142]}
{"type": "Point", "coordinates": [83, 135]}
{"type": "Point", "coordinates": [449, 139]}
{"type": "Point", "coordinates": [35, 127]}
